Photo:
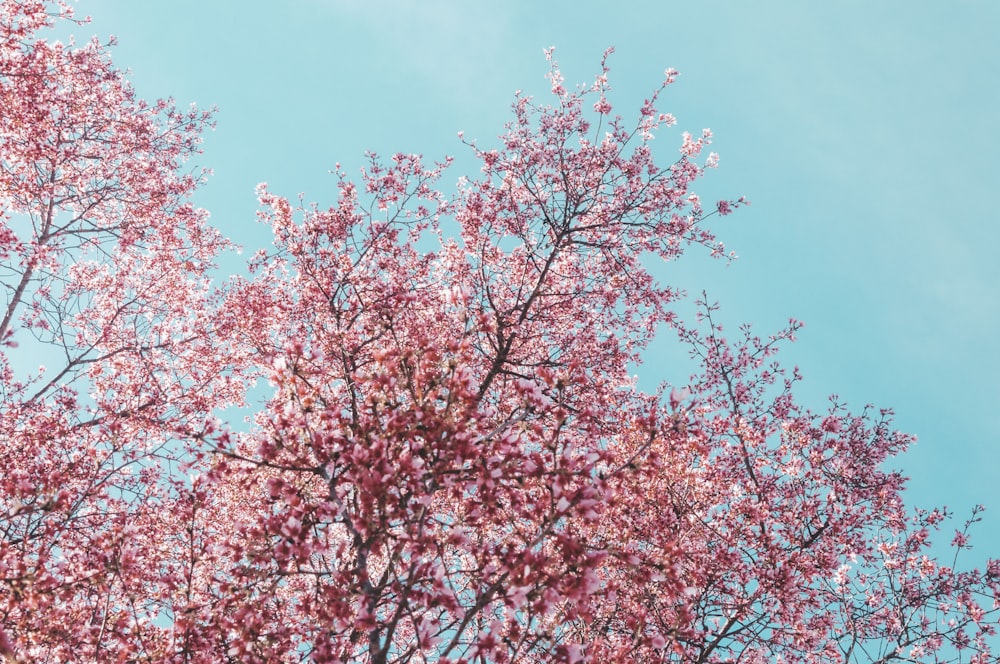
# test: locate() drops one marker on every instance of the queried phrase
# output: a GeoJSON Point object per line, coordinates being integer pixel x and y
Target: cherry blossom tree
{"type": "Point", "coordinates": [454, 463]}
{"type": "Point", "coordinates": [103, 263]}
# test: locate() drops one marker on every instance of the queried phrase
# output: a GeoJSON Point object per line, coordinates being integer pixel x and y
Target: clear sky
{"type": "Point", "coordinates": [864, 133]}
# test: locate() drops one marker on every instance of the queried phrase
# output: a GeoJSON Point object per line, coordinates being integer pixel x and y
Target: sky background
{"type": "Point", "coordinates": [864, 134]}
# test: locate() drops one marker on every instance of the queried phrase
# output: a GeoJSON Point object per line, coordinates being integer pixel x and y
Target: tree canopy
{"type": "Point", "coordinates": [454, 463]}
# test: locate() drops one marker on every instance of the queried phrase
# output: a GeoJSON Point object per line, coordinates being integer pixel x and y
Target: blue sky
{"type": "Point", "coordinates": [864, 134]}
